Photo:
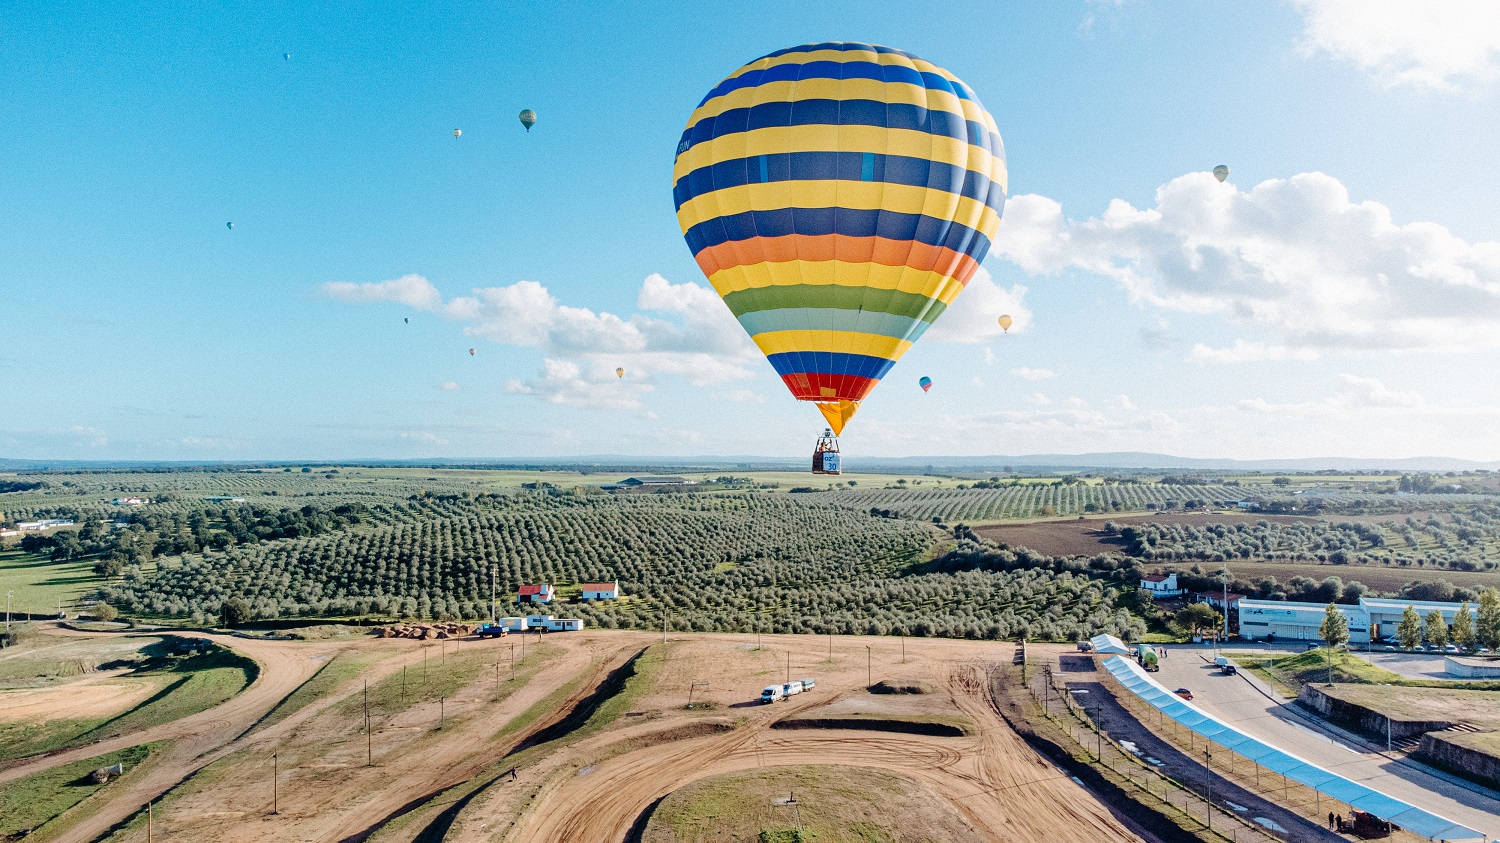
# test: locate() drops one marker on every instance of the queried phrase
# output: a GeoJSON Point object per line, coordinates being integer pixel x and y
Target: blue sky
{"type": "Point", "coordinates": [1340, 295]}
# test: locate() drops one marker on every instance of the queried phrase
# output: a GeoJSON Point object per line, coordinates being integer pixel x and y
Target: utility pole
{"type": "Point", "coordinates": [7, 613]}
{"type": "Point", "coordinates": [1208, 794]}
{"type": "Point", "coordinates": [275, 783]}
{"type": "Point", "coordinates": [830, 646]}
{"type": "Point", "coordinates": [789, 667]}
{"type": "Point", "coordinates": [497, 680]}
{"type": "Point", "coordinates": [513, 658]}
{"type": "Point", "coordinates": [150, 824]}
{"type": "Point", "coordinates": [492, 594]}
{"type": "Point", "coordinates": [369, 739]}
{"type": "Point", "coordinates": [903, 649]}
{"type": "Point", "coordinates": [403, 686]}
{"type": "Point", "coordinates": [869, 667]}
{"type": "Point", "coordinates": [663, 627]}
{"type": "Point", "coordinates": [442, 712]}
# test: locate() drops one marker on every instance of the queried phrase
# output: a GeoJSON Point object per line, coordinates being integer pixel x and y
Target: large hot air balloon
{"type": "Point", "coordinates": [924, 382]}
{"type": "Point", "coordinates": [528, 119]}
{"type": "Point", "coordinates": [1221, 172]}
{"type": "Point", "coordinates": [619, 373]}
{"type": "Point", "coordinates": [1005, 322]}
{"type": "Point", "coordinates": [839, 196]}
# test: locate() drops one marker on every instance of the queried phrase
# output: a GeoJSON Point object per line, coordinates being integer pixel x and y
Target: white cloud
{"type": "Point", "coordinates": [411, 290]}
{"type": "Point", "coordinates": [973, 316]}
{"type": "Point", "coordinates": [1030, 374]}
{"type": "Point", "coordinates": [701, 342]}
{"type": "Point", "coordinates": [89, 436]}
{"type": "Point", "coordinates": [989, 356]}
{"type": "Point", "coordinates": [1039, 399]}
{"type": "Point", "coordinates": [423, 437]}
{"type": "Point", "coordinates": [566, 382]}
{"type": "Point", "coordinates": [1292, 256]}
{"type": "Point", "coordinates": [742, 396]}
{"type": "Point", "coordinates": [449, 386]}
{"type": "Point", "coordinates": [1423, 43]}
{"type": "Point", "coordinates": [1120, 402]}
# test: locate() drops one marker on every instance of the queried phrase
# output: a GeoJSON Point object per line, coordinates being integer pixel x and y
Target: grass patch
{"type": "Point", "coordinates": [188, 685]}
{"type": "Point", "coordinates": [1292, 672]}
{"type": "Point", "coordinates": [834, 804]}
{"type": "Point", "coordinates": [40, 585]}
{"type": "Point", "coordinates": [28, 803]}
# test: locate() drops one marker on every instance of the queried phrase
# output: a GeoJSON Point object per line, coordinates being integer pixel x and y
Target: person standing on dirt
{"type": "Point", "coordinates": [1330, 819]}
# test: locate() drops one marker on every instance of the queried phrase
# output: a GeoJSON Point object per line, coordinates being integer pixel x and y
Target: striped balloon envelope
{"type": "Point", "coordinates": [839, 196]}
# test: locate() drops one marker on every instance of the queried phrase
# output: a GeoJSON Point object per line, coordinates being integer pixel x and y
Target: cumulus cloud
{"type": "Point", "coordinates": [1438, 44]}
{"type": "Point", "coordinates": [449, 386]}
{"type": "Point", "coordinates": [683, 330]}
{"type": "Point", "coordinates": [423, 437]}
{"type": "Point", "coordinates": [1294, 256]}
{"type": "Point", "coordinates": [972, 316]}
{"type": "Point", "coordinates": [1030, 374]}
{"type": "Point", "coordinates": [90, 436]}
{"type": "Point", "coordinates": [742, 396]}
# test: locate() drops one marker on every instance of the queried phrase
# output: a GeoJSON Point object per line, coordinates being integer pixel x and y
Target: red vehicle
{"type": "Point", "coordinates": [1184, 693]}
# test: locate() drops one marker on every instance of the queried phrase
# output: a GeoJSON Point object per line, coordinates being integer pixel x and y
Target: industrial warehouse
{"type": "Point", "coordinates": [1373, 620]}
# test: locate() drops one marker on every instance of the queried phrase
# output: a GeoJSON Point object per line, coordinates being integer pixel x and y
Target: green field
{"type": "Point", "coordinates": [180, 686]}
{"type": "Point", "coordinates": [27, 803]}
{"type": "Point", "coordinates": [41, 586]}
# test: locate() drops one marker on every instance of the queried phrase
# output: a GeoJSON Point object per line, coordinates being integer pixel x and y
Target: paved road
{"type": "Point", "coordinates": [1237, 701]}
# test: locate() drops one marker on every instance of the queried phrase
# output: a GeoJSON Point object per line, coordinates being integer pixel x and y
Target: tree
{"type": "Point", "coordinates": [1335, 628]}
{"type": "Point", "coordinates": [1487, 630]}
{"type": "Point", "coordinates": [1463, 628]}
{"type": "Point", "coordinates": [235, 611]}
{"type": "Point", "coordinates": [103, 612]}
{"type": "Point", "coordinates": [1409, 631]}
{"type": "Point", "coordinates": [1196, 616]}
{"type": "Point", "coordinates": [1281, 481]}
{"type": "Point", "coordinates": [1437, 629]}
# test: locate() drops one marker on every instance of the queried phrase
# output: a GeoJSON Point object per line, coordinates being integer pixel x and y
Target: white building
{"type": "Point", "coordinates": [1161, 585]}
{"type": "Point", "coordinates": [44, 524]}
{"type": "Point", "coordinates": [590, 591]}
{"type": "Point", "coordinates": [1374, 619]}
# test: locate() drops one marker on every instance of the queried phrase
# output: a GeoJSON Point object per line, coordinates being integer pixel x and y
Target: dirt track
{"type": "Point", "coordinates": [994, 780]}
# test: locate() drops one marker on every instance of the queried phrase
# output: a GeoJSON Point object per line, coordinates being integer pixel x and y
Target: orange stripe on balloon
{"type": "Point", "coordinates": [841, 247]}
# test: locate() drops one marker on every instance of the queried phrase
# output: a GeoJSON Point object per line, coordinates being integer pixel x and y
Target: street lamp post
{"type": "Point", "coordinates": [1208, 794]}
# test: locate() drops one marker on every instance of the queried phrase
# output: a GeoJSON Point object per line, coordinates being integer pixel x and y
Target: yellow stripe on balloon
{"type": "Point", "coordinates": [837, 342]}
{"type": "Point", "coordinates": [775, 140]}
{"type": "Point", "coordinates": [873, 276]}
{"type": "Point", "coordinates": [855, 195]}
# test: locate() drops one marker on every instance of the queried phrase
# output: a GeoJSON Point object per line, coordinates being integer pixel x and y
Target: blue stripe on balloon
{"type": "Point", "coordinates": [830, 363]}
{"type": "Point", "coordinates": [847, 166]}
{"type": "Point", "coordinates": [846, 221]}
{"type": "Point", "coordinates": [820, 112]}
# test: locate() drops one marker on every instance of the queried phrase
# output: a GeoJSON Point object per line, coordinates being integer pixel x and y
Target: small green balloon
{"type": "Point", "coordinates": [528, 119]}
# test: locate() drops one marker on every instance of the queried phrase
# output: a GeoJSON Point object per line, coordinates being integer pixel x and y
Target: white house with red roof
{"type": "Point", "coordinates": [535, 593]}
{"type": "Point", "coordinates": [1161, 585]}
{"type": "Point", "coordinates": [1216, 599]}
{"type": "Point", "coordinates": [591, 591]}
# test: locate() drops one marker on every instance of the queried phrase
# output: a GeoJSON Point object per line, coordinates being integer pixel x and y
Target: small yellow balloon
{"type": "Point", "coordinates": [1006, 322]}
{"type": "Point", "coordinates": [619, 373]}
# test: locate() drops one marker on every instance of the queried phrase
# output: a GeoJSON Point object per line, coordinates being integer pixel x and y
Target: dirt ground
{"type": "Point", "coordinates": [86, 698]}
{"type": "Point", "coordinates": [1086, 536]}
{"type": "Point", "coordinates": [213, 783]}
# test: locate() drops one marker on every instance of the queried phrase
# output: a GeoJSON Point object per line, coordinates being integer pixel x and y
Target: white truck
{"type": "Point", "coordinates": [771, 693]}
{"type": "Point", "coordinates": [791, 689]}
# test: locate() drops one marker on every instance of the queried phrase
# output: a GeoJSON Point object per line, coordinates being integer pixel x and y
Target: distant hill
{"type": "Point", "coordinates": [1110, 460]}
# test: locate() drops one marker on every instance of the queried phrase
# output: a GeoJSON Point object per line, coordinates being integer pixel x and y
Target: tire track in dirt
{"type": "Point", "coordinates": [993, 779]}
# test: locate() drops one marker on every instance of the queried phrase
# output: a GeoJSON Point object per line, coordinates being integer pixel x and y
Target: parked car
{"type": "Point", "coordinates": [791, 689]}
{"type": "Point", "coordinates": [1452, 648]}
{"type": "Point", "coordinates": [1483, 651]}
{"type": "Point", "coordinates": [771, 694]}
{"type": "Point", "coordinates": [1312, 645]}
{"type": "Point", "coordinates": [1390, 648]}
{"type": "Point", "coordinates": [809, 684]}
{"type": "Point", "coordinates": [1184, 693]}
{"type": "Point", "coordinates": [1230, 670]}
{"type": "Point", "coordinates": [1085, 647]}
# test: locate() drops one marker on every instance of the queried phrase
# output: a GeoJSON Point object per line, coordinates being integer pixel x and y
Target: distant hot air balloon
{"type": "Point", "coordinates": [839, 196]}
{"type": "Point", "coordinates": [1005, 322]}
{"type": "Point", "coordinates": [457, 133]}
{"type": "Point", "coordinates": [229, 225]}
{"type": "Point", "coordinates": [406, 319]}
{"type": "Point", "coordinates": [620, 373]}
{"type": "Point", "coordinates": [471, 352]}
{"type": "Point", "coordinates": [1221, 172]}
{"type": "Point", "coordinates": [924, 382]}
{"type": "Point", "coordinates": [287, 56]}
{"type": "Point", "coordinates": [528, 119]}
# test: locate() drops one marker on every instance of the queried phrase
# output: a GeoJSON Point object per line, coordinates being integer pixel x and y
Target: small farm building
{"type": "Point", "coordinates": [535, 593]}
{"type": "Point", "coordinates": [600, 591]}
{"type": "Point", "coordinates": [1161, 585]}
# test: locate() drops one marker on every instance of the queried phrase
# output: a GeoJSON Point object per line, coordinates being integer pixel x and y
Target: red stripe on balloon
{"type": "Point", "coordinates": [809, 386]}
